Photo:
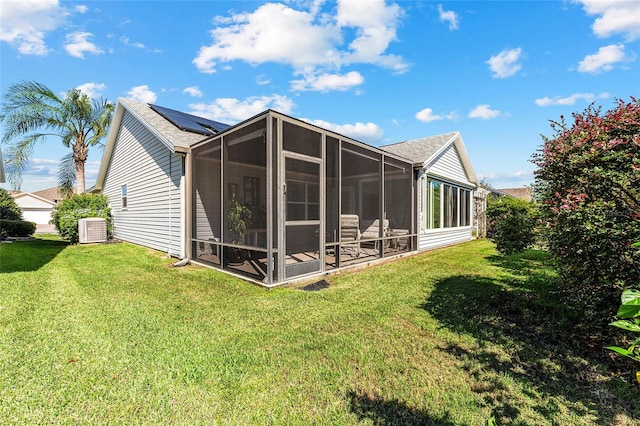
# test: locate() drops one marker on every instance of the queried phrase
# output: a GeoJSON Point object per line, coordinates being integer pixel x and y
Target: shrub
{"type": "Point", "coordinates": [511, 224]}
{"type": "Point", "coordinates": [17, 228]}
{"type": "Point", "coordinates": [629, 312]}
{"type": "Point", "coordinates": [66, 215]}
{"type": "Point", "coordinates": [9, 209]}
{"type": "Point", "coordinates": [588, 183]}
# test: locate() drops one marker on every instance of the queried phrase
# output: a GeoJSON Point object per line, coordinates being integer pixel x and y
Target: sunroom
{"type": "Point", "coordinates": [275, 199]}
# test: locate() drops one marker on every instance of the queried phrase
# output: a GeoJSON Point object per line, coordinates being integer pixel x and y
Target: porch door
{"type": "Point", "coordinates": [303, 207]}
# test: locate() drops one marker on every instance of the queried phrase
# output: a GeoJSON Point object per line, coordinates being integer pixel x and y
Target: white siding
{"type": "Point", "coordinates": [443, 237]}
{"type": "Point", "coordinates": [152, 174]}
{"type": "Point", "coordinates": [449, 166]}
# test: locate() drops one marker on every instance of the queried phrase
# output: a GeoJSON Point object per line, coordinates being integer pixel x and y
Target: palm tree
{"type": "Point", "coordinates": [31, 113]}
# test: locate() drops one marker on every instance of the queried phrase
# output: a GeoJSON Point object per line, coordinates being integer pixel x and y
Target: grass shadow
{"type": "Point", "coordinates": [522, 336]}
{"type": "Point", "coordinates": [391, 412]}
{"type": "Point", "coordinates": [25, 256]}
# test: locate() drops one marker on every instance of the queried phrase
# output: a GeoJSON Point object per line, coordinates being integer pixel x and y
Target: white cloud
{"type": "Point", "coordinates": [569, 100]}
{"type": "Point", "coordinates": [375, 26]}
{"type": "Point", "coordinates": [81, 8]}
{"type": "Point", "coordinates": [25, 23]}
{"type": "Point", "coordinates": [484, 112]}
{"type": "Point", "coordinates": [193, 91]}
{"type": "Point", "coordinates": [77, 44]}
{"type": "Point", "coordinates": [615, 17]}
{"type": "Point", "coordinates": [93, 90]}
{"type": "Point", "coordinates": [427, 116]}
{"type": "Point", "coordinates": [505, 64]}
{"type": "Point", "coordinates": [262, 79]}
{"type": "Point", "coordinates": [231, 110]}
{"type": "Point", "coordinates": [314, 43]}
{"type": "Point", "coordinates": [142, 94]}
{"type": "Point", "coordinates": [364, 132]}
{"type": "Point", "coordinates": [448, 16]}
{"type": "Point", "coordinates": [125, 40]}
{"type": "Point", "coordinates": [258, 37]}
{"type": "Point", "coordinates": [604, 60]}
{"type": "Point", "coordinates": [327, 82]}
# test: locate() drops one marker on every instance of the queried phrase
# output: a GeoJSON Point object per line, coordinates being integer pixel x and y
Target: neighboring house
{"type": "Point", "coordinates": [274, 199]}
{"type": "Point", "coordinates": [52, 194]}
{"type": "Point", "coordinates": [524, 193]}
{"type": "Point", "coordinates": [35, 209]}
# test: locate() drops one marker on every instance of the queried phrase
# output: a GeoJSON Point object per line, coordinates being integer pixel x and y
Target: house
{"type": "Point", "coordinates": [524, 193]}
{"type": "Point", "coordinates": [274, 199]}
{"type": "Point", "coordinates": [35, 209]}
{"type": "Point", "coordinates": [52, 194]}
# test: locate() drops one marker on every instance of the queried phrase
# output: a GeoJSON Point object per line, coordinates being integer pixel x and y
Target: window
{"type": "Point", "coordinates": [303, 200]}
{"type": "Point", "coordinates": [450, 206]}
{"type": "Point", "coordinates": [446, 205]}
{"type": "Point", "coordinates": [123, 189]}
{"type": "Point", "coordinates": [465, 207]}
{"type": "Point", "coordinates": [433, 205]}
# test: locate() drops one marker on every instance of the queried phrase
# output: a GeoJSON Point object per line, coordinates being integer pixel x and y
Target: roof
{"type": "Point", "coordinates": [167, 132]}
{"type": "Point", "coordinates": [51, 194]}
{"type": "Point", "coordinates": [174, 138]}
{"type": "Point", "coordinates": [189, 122]}
{"type": "Point", "coordinates": [524, 193]}
{"type": "Point", "coordinates": [423, 151]}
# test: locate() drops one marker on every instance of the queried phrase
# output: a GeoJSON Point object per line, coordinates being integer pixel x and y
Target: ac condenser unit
{"type": "Point", "coordinates": [92, 230]}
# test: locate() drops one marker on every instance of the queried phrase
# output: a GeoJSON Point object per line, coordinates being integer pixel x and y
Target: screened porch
{"type": "Point", "coordinates": [275, 199]}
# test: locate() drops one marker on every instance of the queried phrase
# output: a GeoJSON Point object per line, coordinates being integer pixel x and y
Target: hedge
{"type": "Point", "coordinates": [17, 228]}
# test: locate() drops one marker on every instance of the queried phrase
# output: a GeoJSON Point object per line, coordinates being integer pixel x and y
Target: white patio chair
{"type": "Point", "coordinates": [350, 232]}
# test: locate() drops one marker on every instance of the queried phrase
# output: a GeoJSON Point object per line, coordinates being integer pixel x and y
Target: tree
{"type": "Point", "coordinates": [511, 224]}
{"type": "Point", "coordinates": [9, 209]}
{"type": "Point", "coordinates": [31, 113]}
{"type": "Point", "coordinates": [588, 183]}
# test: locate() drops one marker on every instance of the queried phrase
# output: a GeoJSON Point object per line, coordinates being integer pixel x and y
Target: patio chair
{"type": "Point", "coordinates": [373, 232]}
{"type": "Point", "coordinates": [350, 232]}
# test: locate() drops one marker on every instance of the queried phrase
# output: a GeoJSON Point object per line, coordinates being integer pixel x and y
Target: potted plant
{"type": "Point", "coordinates": [238, 217]}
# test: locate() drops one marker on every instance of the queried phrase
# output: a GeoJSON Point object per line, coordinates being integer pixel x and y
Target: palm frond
{"type": "Point", "coordinates": [18, 157]}
{"type": "Point", "coordinates": [67, 175]}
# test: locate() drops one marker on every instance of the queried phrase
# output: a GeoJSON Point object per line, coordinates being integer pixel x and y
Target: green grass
{"type": "Point", "coordinates": [110, 334]}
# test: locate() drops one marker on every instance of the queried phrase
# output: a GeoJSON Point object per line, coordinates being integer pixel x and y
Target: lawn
{"type": "Point", "coordinates": [110, 334]}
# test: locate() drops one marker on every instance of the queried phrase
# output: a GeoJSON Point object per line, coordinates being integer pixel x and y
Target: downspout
{"type": "Point", "coordinates": [185, 188]}
{"type": "Point", "coordinates": [170, 208]}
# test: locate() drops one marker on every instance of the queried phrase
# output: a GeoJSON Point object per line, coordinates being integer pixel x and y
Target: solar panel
{"type": "Point", "coordinates": [189, 122]}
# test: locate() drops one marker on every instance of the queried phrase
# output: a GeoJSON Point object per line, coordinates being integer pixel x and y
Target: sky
{"type": "Point", "coordinates": [377, 71]}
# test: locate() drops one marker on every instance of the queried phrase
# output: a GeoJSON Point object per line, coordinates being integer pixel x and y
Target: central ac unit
{"type": "Point", "coordinates": [92, 230]}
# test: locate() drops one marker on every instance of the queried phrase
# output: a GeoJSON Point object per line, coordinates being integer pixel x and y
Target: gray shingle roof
{"type": "Point", "coordinates": [173, 135]}
{"type": "Point", "coordinates": [419, 151]}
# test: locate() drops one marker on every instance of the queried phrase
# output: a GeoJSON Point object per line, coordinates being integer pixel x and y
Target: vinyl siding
{"type": "Point", "coordinates": [434, 238]}
{"type": "Point", "coordinates": [449, 166]}
{"type": "Point", "coordinates": [152, 174]}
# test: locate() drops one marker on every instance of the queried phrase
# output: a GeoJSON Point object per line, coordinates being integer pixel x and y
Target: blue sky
{"type": "Point", "coordinates": [378, 71]}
